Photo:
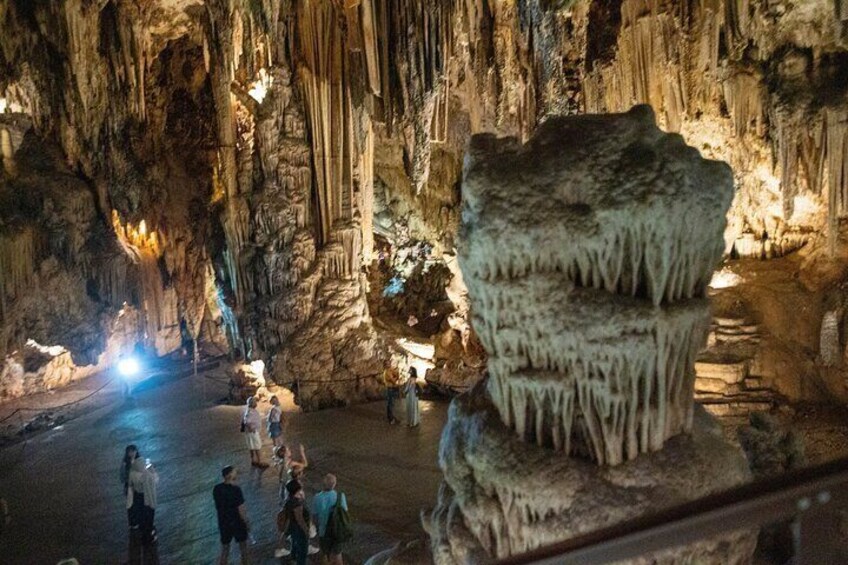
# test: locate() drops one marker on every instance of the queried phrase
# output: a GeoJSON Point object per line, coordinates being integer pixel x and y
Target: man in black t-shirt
{"type": "Point", "coordinates": [232, 516]}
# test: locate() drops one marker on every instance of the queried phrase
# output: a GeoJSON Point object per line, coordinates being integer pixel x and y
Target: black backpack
{"type": "Point", "coordinates": [339, 529]}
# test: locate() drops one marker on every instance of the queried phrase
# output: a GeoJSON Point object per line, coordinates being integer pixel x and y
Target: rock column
{"type": "Point", "coordinates": [587, 253]}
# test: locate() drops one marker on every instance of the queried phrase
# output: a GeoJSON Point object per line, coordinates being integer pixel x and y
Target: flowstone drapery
{"type": "Point", "coordinates": [587, 253]}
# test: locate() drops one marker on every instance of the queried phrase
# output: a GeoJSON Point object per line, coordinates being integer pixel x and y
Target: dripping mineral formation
{"type": "Point", "coordinates": [271, 147]}
{"type": "Point", "coordinates": [587, 253]}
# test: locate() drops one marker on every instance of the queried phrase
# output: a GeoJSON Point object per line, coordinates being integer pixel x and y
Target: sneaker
{"type": "Point", "coordinates": [312, 550]}
{"type": "Point", "coordinates": [281, 552]}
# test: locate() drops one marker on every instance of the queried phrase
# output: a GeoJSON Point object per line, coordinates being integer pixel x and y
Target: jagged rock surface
{"type": "Point", "coordinates": [63, 281]}
{"type": "Point", "coordinates": [160, 105]}
{"type": "Point", "coordinates": [590, 309]}
{"type": "Point", "coordinates": [503, 496]}
{"type": "Point", "coordinates": [587, 252]}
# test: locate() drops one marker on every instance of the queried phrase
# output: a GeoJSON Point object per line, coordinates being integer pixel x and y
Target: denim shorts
{"type": "Point", "coordinates": [275, 429]}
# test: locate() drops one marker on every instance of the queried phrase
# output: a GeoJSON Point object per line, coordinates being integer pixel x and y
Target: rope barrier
{"type": "Point", "coordinates": [307, 381]}
{"type": "Point", "coordinates": [352, 379]}
{"type": "Point", "coordinates": [48, 408]}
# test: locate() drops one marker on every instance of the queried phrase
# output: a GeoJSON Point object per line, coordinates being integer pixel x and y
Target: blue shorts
{"type": "Point", "coordinates": [275, 429]}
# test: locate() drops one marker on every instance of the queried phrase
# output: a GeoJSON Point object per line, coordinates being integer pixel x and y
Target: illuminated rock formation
{"type": "Point", "coordinates": [166, 108]}
{"type": "Point", "coordinates": [63, 282]}
{"type": "Point", "coordinates": [706, 70]}
{"type": "Point", "coordinates": [587, 253]}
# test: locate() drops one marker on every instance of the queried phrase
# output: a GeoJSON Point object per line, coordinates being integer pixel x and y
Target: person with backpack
{"type": "Point", "coordinates": [329, 509]}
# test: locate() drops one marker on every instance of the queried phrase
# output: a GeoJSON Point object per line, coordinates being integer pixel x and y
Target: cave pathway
{"type": "Point", "coordinates": [66, 501]}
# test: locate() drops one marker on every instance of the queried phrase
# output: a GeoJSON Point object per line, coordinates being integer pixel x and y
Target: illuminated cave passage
{"type": "Point", "coordinates": [610, 238]}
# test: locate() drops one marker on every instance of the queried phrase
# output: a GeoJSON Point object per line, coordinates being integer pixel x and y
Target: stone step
{"type": "Point", "coordinates": [730, 373]}
{"type": "Point", "coordinates": [742, 408]}
{"type": "Point", "coordinates": [725, 338]}
{"type": "Point", "coordinates": [737, 330]}
{"type": "Point", "coordinates": [706, 386]}
{"type": "Point", "coordinates": [729, 322]}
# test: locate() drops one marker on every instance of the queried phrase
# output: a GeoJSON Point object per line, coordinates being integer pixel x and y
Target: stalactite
{"type": "Point", "coordinates": [322, 77]}
{"type": "Point", "coordinates": [18, 260]}
{"type": "Point", "coordinates": [835, 157]}
{"type": "Point", "coordinates": [419, 59]}
{"type": "Point", "coordinates": [829, 339]}
{"type": "Point", "coordinates": [745, 98]}
{"type": "Point", "coordinates": [366, 195]}
{"type": "Point", "coordinates": [648, 69]}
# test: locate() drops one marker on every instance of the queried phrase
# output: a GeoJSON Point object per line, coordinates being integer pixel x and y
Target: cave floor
{"type": "Point", "coordinates": [66, 500]}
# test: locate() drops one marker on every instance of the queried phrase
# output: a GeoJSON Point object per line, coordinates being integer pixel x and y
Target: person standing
{"type": "Point", "coordinates": [141, 498]}
{"type": "Point", "coordinates": [275, 422]}
{"type": "Point", "coordinates": [289, 468]}
{"type": "Point", "coordinates": [232, 515]}
{"type": "Point", "coordinates": [413, 415]}
{"type": "Point", "coordinates": [294, 521]}
{"type": "Point", "coordinates": [390, 380]}
{"type": "Point", "coordinates": [322, 508]}
{"type": "Point", "coordinates": [130, 455]}
{"type": "Point", "coordinates": [251, 422]}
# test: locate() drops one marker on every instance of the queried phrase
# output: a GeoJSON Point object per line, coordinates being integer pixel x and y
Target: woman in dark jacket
{"type": "Point", "coordinates": [295, 521]}
{"type": "Point", "coordinates": [130, 454]}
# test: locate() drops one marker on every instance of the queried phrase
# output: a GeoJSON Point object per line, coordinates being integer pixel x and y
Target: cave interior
{"type": "Point", "coordinates": [310, 191]}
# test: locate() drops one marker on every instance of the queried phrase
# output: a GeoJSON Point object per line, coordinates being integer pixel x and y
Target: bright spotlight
{"type": "Point", "coordinates": [128, 367]}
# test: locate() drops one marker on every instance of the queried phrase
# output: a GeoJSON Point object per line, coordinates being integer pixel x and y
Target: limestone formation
{"type": "Point", "coordinates": [590, 307]}
{"type": "Point", "coordinates": [587, 253]}
{"type": "Point", "coordinates": [502, 496]}
{"type": "Point", "coordinates": [62, 281]}
{"type": "Point", "coordinates": [264, 143]}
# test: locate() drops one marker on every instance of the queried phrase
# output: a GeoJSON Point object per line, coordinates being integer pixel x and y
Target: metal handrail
{"type": "Point", "coordinates": [810, 497]}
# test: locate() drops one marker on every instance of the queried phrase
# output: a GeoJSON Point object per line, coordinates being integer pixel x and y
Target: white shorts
{"type": "Point", "coordinates": [254, 441]}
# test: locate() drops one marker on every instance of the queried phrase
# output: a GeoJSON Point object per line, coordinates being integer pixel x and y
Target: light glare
{"type": "Point", "coordinates": [128, 367]}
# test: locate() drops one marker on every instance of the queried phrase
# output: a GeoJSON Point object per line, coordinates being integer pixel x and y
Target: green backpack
{"type": "Point", "coordinates": [339, 528]}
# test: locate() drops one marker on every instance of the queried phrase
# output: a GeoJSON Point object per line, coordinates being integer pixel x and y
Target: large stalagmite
{"type": "Point", "coordinates": [587, 253]}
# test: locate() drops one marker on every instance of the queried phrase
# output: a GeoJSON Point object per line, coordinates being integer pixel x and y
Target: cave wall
{"type": "Point", "coordinates": [244, 153]}
{"type": "Point", "coordinates": [64, 281]}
